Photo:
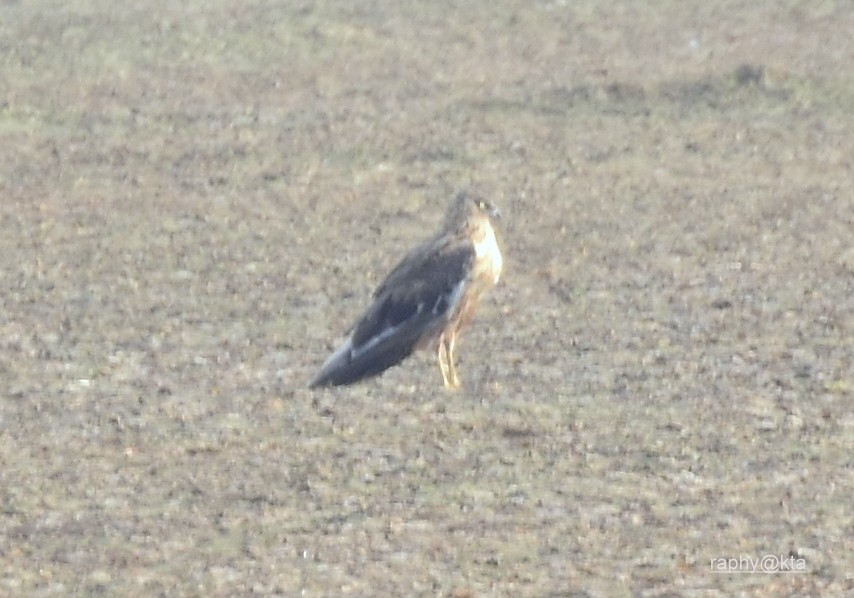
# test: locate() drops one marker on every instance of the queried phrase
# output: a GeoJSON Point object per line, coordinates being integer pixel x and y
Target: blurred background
{"type": "Point", "coordinates": [196, 202]}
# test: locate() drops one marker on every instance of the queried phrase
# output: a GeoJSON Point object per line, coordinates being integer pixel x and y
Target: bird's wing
{"type": "Point", "coordinates": [416, 260]}
{"type": "Point", "coordinates": [412, 304]}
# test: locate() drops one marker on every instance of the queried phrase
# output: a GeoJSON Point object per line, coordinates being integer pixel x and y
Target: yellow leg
{"type": "Point", "coordinates": [452, 367]}
{"type": "Point", "coordinates": [442, 356]}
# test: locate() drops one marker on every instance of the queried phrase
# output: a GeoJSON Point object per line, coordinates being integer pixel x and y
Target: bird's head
{"type": "Point", "coordinates": [467, 209]}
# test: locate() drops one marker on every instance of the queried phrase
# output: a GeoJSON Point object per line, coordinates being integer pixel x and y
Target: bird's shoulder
{"type": "Point", "coordinates": [436, 263]}
{"type": "Point", "coordinates": [421, 289]}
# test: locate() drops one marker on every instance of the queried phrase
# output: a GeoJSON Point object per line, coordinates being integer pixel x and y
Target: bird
{"type": "Point", "coordinates": [425, 300]}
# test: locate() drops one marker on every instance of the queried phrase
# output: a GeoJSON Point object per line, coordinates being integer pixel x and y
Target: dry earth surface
{"type": "Point", "coordinates": [196, 200]}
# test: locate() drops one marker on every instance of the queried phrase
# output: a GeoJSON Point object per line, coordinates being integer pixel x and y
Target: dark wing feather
{"type": "Point", "coordinates": [415, 260]}
{"type": "Point", "coordinates": [412, 303]}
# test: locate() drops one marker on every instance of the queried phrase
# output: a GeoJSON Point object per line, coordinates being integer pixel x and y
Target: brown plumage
{"type": "Point", "coordinates": [425, 300]}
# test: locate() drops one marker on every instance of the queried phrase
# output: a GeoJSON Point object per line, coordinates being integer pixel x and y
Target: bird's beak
{"type": "Point", "coordinates": [495, 213]}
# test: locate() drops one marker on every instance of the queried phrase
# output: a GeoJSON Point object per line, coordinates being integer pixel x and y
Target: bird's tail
{"type": "Point", "coordinates": [348, 365]}
{"type": "Point", "coordinates": [330, 373]}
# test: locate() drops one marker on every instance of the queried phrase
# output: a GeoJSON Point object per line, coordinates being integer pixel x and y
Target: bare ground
{"type": "Point", "coordinates": [196, 201]}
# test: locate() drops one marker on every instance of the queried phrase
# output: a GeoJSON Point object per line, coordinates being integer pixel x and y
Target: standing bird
{"type": "Point", "coordinates": [426, 299]}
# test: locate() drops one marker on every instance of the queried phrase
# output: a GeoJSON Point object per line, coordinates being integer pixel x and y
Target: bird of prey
{"type": "Point", "coordinates": [425, 300]}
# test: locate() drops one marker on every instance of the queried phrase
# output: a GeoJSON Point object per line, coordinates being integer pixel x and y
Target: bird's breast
{"type": "Point", "coordinates": [488, 260]}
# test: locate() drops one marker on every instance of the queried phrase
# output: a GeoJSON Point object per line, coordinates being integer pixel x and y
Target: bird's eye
{"type": "Point", "coordinates": [482, 204]}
